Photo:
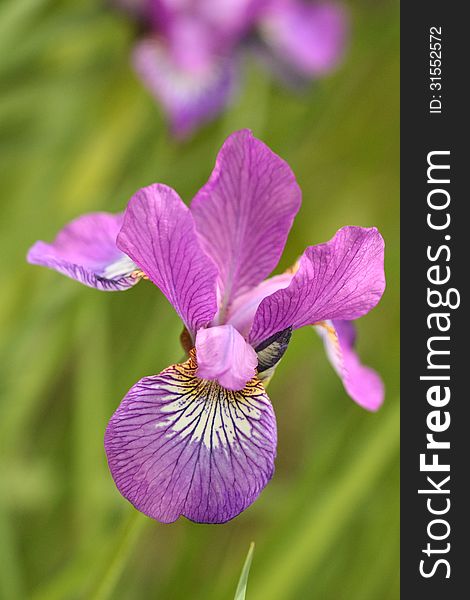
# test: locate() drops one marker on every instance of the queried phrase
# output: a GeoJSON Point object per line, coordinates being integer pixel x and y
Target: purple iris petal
{"type": "Point", "coordinates": [188, 56]}
{"type": "Point", "coordinates": [158, 233]}
{"type": "Point", "coordinates": [178, 445]}
{"type": "Point", "coordinates": [192, 48]}
{"type": "Point", "coordinates": [341, 279]}
{"type": "Point", "coordinates": [189, 97]}
{"type": "Point", "coordinates": [224, 356]}
{"type": "Point", "coordinates": [244, 213]}
{"type": "Point", "coordinates": [362, 383]}
{"type": "Point", "coordinates": [244, 307]}
{"type": "Point", "coordinates": [309, 36]}
{"type": "Point", "coordinates": [86, 250]}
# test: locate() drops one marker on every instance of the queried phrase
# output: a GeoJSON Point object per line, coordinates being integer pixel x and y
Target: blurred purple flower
{"type": "Point", "coordinates": [199, 439]}
{"type": "Point", "coordinates": [189, 54]}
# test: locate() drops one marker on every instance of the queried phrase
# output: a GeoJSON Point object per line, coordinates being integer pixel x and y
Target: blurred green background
{"type": "Point", "coordinates": [78, 133]}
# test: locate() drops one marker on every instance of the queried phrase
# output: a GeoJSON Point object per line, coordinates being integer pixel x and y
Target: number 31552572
{"type": "Point", "coordinates": [435, 58]}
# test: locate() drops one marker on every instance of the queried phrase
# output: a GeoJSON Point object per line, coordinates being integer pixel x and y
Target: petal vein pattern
{"type": "Point", "coordinates": [85, 250]}
{"type": "Point", "coordinates": [341, 279]}
{"type": "Point", "coordinates": [179, 445]}
{"type": "Point", "coordinates": [159, 235]}
{"type": "Point", "coordinates": [244, 213]}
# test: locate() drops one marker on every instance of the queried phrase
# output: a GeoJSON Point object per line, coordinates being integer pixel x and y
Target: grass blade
{"type": "Point", "coordinates": [243, 581]}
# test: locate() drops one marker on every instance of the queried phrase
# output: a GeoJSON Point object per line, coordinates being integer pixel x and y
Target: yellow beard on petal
{"type": "Point", "coordinates": [188, 369]}
{"type": "Point", "coordinates": [219, 405]}
{"type": "Point", "coordinates": [139, 274]}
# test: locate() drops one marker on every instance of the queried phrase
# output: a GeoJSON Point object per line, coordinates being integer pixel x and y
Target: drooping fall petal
{"type": "Point", "coordinates": [362, 383]}
{"type": "Point", "coordinates": [178, 445]}
{"type": "Point", "coordinates": [86, 250]}
{"type": "Point", "coordinates": [189, 96]}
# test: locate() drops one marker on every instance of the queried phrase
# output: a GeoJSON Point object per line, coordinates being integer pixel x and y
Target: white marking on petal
{"type": "Point", "coordinates": [327, 332]}
{"type": "Point", "coordinates": [215, 410]}
{"type": "Point", "coordinates": [179, 445]}
{"type": "Point", "coordinates": [123, 267]}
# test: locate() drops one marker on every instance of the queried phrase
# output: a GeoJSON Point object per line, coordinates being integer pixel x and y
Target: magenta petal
{"type": "Point", "coordinates": [362, 383]}
{"type": "Point", "coordinates": [341, 279]}
{"type": "Point", "coordinates": [224, 356]}
{"type": "Point", "coordinates": [178, 445]}
{"type": "Point", "coordinates": [189, 97]}
{"type": "Point", "coordinates": [244, 307]}
{"type": "Point", "coordinates": [86, 250]}
{"type": "Point", "coordinates": [158, 234]}
{"type": "Point", "coordinates": [244, 213]}
{"type": "Point", "coordinates": [309, 36]}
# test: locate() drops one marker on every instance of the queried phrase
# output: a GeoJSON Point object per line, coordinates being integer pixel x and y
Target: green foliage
{"type": "Point", "coordinates": [79, 133]}
{"type": "Point", "coordinates": [240, 593]}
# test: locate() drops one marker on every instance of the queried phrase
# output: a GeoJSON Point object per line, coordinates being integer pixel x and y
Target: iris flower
{"type": "Point", "coordinates": [190, 52]}
{"type": "Point", "coordinates": [199, 438]}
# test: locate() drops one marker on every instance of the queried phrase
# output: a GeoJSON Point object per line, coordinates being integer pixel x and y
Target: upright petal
{"type": "Point", "coordinates": [341, 279]}
{"type": "Point", "coordinates": [158, 234]}
{"type": "Point", "coordinates": [308, 36]}
{"type": "Point", "coordinates": [362, 383]}
{"type": "Point", "coordinates": [189, 98]}
{"type": "Point", "coordinates": [178, 445]}
{"type": "Point", "coordinates": [224, 356]}
{"type": "Point", "coordinates": [244, 213]}
{"type": "Point", "coordinates": [86, 250]}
